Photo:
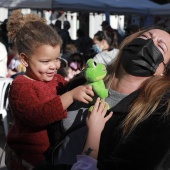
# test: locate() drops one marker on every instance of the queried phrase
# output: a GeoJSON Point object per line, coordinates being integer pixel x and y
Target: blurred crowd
{"type": "Point", "coordinates": [103, 48]}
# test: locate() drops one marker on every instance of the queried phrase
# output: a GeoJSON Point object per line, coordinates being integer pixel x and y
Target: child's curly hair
{"type": "Point", "coordinates": [28, 32]}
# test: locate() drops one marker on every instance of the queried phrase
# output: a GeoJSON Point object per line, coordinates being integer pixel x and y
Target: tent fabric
{"type": "Point", "coordinates": [117, 6]}
{"type": "Point", "coordinates": [34, 4]}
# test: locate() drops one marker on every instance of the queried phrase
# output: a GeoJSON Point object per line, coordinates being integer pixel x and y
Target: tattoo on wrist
{"type": "Point", "coordinates": [88, 151]}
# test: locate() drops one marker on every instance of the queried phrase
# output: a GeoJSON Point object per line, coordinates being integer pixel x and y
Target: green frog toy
{"type": "Point", "coordinates": [94, 74]}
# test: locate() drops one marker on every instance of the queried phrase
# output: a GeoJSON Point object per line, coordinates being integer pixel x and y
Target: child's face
{"type": "Point", "coordinates": [43, 64]}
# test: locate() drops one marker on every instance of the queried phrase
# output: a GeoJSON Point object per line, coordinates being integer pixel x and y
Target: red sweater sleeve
{"type": "Point", "coordinates": [36, 105]}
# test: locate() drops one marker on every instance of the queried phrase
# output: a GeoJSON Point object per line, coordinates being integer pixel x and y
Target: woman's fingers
{"type": "Point", "coordinates": [108, 116]}
{"type": "Point", "coordinates": [101, 106]}
{"type": "Point", "coordinates": [105, 108]}
{"type": "Point", "coordinates": [96, 105]}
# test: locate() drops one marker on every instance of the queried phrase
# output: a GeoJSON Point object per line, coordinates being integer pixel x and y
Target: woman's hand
{"type": "Point", "coordinates": [96, 121]}
{"type": "Point", "coordinates": [97, 118]}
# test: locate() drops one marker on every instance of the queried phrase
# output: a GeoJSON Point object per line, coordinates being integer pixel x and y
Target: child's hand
{"type": "Point", "coordinates": [83, 93]}
{"type": "Point", "coordinates": [96, 119]}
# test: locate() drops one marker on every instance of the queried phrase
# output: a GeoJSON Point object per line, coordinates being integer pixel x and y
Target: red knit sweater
{"type": "Point", "coordinates": [34, 105]}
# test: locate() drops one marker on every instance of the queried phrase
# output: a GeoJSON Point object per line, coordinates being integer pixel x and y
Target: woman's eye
{"type": "Point", "coordinates": [145, 36]}
{"type": "Point", "coordinates": [161, 48]}
{"type": "Point", "coordinates": [44, 61]}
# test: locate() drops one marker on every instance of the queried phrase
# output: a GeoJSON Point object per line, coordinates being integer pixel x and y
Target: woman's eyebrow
{"type": "Point", "coordinates": [151, 34]}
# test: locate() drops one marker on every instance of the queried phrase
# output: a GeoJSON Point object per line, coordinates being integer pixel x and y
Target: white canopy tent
{"type": "Point", "coordinates": [145, 7]}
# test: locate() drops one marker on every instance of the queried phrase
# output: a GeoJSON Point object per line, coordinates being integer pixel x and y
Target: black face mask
{"type": "Point", "coordinates": [141, 57]}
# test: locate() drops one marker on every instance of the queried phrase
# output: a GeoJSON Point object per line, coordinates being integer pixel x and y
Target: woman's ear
{"type": "Point", "coordinates": [23, 59]}
{"type": "Point", "coordinates": [103, 41]}
{"type": "Point", "coordinates": [105, 44]}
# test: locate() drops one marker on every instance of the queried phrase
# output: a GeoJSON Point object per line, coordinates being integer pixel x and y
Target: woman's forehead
{"type": "Point", "coordinates": [157, 32]}
{"type": "Point", "coordinates": [165, 36]}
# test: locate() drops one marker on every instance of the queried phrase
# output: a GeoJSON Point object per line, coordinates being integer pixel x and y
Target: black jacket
{"type": "Point", "coordinates": [144, 148]}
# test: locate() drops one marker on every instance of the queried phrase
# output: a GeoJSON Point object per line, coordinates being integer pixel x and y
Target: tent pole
{"type": "Point", "coordinates": [107, 14]}
{"type": "Point", "coordinates": [51, 10]}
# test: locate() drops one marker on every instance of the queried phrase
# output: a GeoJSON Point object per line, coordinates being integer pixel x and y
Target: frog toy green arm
{"type": "Point", "coordinates": [94, 74]}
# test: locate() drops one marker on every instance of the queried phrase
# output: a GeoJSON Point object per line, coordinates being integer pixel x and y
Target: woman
{"type": "Point", "coordinates": [137, 136]}
{"type": "Point", "coordinates": [106, 46]}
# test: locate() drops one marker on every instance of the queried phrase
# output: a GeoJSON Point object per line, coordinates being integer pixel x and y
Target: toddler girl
{"type": "Point", "coordinates": [35, 98]}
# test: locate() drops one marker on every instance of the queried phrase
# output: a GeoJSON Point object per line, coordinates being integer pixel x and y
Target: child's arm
{"type": "Point", "coordinates": [80, 93]}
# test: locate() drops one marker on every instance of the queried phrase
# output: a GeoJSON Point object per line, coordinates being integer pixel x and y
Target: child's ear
{"type": "Point", "coordinates": [23, 59]}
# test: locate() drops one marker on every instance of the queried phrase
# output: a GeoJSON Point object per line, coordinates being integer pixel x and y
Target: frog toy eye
{"type": "Point", "coordinates": [95, 64]}
{"type": "Point", "coordinates": [91, 63]}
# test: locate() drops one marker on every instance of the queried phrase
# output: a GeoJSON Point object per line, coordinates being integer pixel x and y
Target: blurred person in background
{"type": "Point", "coordinates": [65, 35]}
{"type": "Point", "coordinates": [105, 45]}
{"type": "Point", "coordinates": [83, 42]}
{"type": "Point", "coordinates": [106, 27]}
{"type": "Point", "coordinates": [3, 34]}
{"type": "Point", "coordinates": [68, 51]}
{"type": "Point", "coordinates": [131, 30]}
{"type": "Point", "coordinates": [75, 65]}
{"type": "Point", "coordinates": [3, 60]}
